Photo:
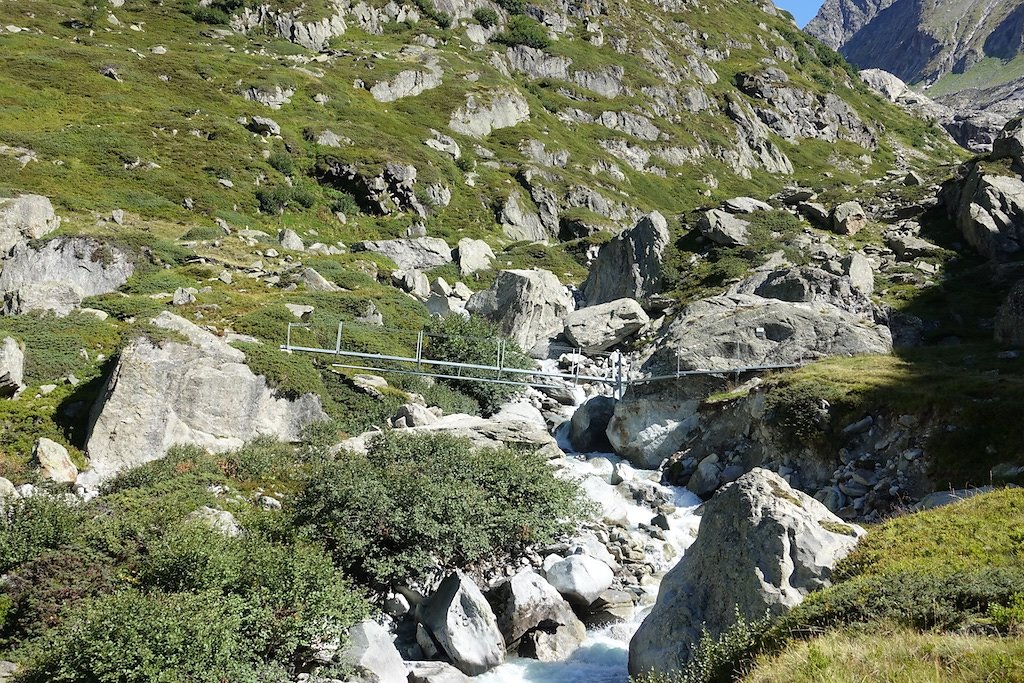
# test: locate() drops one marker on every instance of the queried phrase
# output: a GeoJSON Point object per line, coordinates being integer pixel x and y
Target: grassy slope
{"type": "Point", "coordinates": [961, 545]}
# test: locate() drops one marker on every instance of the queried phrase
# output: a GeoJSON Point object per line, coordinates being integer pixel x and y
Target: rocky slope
{"type": "Point", "coordinates": [966, 55]}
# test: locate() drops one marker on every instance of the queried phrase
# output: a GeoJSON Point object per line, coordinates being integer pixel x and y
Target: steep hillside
{"type": "Point", "coordinates": [553, 122]}
{"type": "Point", "coordinates": [966, 54]}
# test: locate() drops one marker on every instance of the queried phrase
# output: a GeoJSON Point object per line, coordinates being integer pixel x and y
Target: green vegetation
{"type": "Point", "coordinates": [416, 502]}
{"type": "Point", "coordinates": [485, 16]}
{"type": "Point", "coordinates": [132, 585]}
{"type": "Point", "coordinates": [524, 30]}
{"type": "Point", "coordinates": [474, 340]}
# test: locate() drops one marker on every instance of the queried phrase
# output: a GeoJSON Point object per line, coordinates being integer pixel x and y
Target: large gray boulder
{"type": "Point", "coordinates": [648, 430]}
{"type": "Point", "coordinates": [762, 547]}
{"type": "Point", "coordinates": [408, 83]}
{"type": "Point", "coordinates": [199, 392]}
{"type": "Point", "coordinates": [56, 276]}
{"type": "Point", "coordinates": [534, 618]}
{"type": "Point", "coordinates": [1009, 144]}
{"type": "Point", "coordinates": [600, 327]}
{"type": "Point", "coordinates": [808, 284]}
{"type": "Point", "coordinates": [629, 266]}
{"type": "Point", "coordinates": [989, 211]}
{"type": "Point", "coordinates": [12, 367]}
{"type": "Point", "coordinates": [723, 228]}
{"type": "Point", "coordinates": [1010, 319]}
{"type": "Point", "coordinates": [589, 425]}
{"type": "Point", "coordinates": [527, 305]}
{"type": "Point", "coordinates": [473, 255]}
{"type": "Point", "coordinates": [481, 115]}
{"type": "Point", "coordinates": [418, 253]}
{"type": "Point", "coordinates": [463, 625]}
{"type": "Point", "coordinates": [371, 653]}
{"type": "Point", "coordinates": [743, 330]}
{"type": "Point", "coordinates": [28, 217]}
{"type": "Point", "coordinates": [580, 578]}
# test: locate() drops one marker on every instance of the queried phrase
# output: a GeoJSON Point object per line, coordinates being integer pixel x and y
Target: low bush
{"type": "Point", "coordinates": [475, 340]}
{"type": "Point", "coordinates": [418, 501]}
{"type": "Point", "coordinates": [523, 30]}
{"type": "Point", "coordinates": [31, 526]}
{"type": "Point", "coordinates": [485, 16]}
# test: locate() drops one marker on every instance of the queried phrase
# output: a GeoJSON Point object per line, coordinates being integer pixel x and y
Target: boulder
{"type": "Point", "coordinates": [419, 253]}
{"type": "Point", "coordinates": [648, 430]}
{"type": "Point", "coordinates": [372, 656]}
{"type": "Point", "coordinates": [413, 282]}
{"type": "Point", "coordinates": [12, 367]}
{"type": "Point", "coordinates": [479, 116]}
{"type": "Point", "coordinates": [1009, 144]}
{"type": "Point", "coordinates": [745, 205]}
{"type": "Point", "coordinates": [596, 328]}
{"type": "Point", "coordinates": [315, 282]}
{"type": "Point", "coordinates": [723, 228]}
{"type": "Point", "coordinates": [519, 221]}
{"type": "Point", "coordinates": [742, 330]}
{"type": "Point", "coordinates": [527, 305]}
{"type": "Point", "coordinates": [435, 672]}
{"type": "Point", "coordinates": [408, 83]}
{"type": "Point", "coordinates": [28, 217]}
{"type": "Point", "coordinates": [58, 274]}
{"type": "Point", "coordinates": [473, 255]}
{"type": "Point", "coordinates": [858, 269]}
{"type": "Point", "coordinates": [220, 521]}
{"type": "Point", "coordinates": [197, 392]}
{"type": "Point", "coordinates": [55, 462]}
{"type": "Point", "coordinates": [629, 266]}
{"type": "Point", "coordinates": [762, 547]}
{"type": "Point", "coordinates": [463, 625]}
{"type": "Point", "coordinates": [534, 619]}
{"type": "Point", "coordinates": [589, 425]}
{"type": "Point", "coordinates": [848, 218]}
{"type": "Point", "coordinates": [289, 239]}
{"type": "Point", "coordinates": [264, 125]}
{"type": "Point", "coordinates": [580, 578]}
{"type": "Point", "coordinates": [1009, 328]}
{"type": "Point", "coordinates": [989, 211]}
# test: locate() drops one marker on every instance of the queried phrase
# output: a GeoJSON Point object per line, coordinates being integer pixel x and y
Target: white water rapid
{"type": "Point", "coordinates": [603, 656]}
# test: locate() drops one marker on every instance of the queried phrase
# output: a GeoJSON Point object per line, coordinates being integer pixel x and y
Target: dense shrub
{"type": "Point", "coordinates": [30, 526]}
{"type": "Point", "coordinates": [203, 233]}
{"type": "Point", "coordinates": [418, 500]}
{"type": "Point", "coordinates": [475, 340]}
{"type": "Point", "coordinates": [273, 198]}
{"type": "Point", "coordinates": [282, 161]}
{"type": "Point", "coordinates": [485, 16]}
{"type": "Point", "coordinates": [522, 30]}
{"type": "Point", "coordinates": [512, 6]}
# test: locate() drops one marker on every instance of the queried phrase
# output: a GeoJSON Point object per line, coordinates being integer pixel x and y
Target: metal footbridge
{"type": "Point", "coordinates": [610, 369]}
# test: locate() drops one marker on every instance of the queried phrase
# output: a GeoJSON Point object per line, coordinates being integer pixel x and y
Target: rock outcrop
{"type": "Point", "coordinates": [478, 117]}
{"type": "Point", "coordinates": [723, 228]}
{"type": "Point", "coordinates": [1010, 320]}
{"type": "Point", "coordinates": [12, 367]}
{"type": "Point", "coordinates": [988, 209]}
{"type": "Point", "coordinates": [630, 265]}
{"type": "Point", "coordinates": [200, 392]}
{"type": "Point", "coordinates": [419, 253]}
{"type": "Point", "coordinates": [534, 618]}
{"type": "Point", "coordinates": [742, 330]}
{"type": "Point", "coordinates": [371, 654]}
{"type": "Point", "coordinates": [28, 217]}
{"type": "Point", "coordinates": [527, 305]}
{"type": "Point", "coordinates": [59, 274]}
{"type": "Point", "coordinates": [807, 284]}
{"type": "Point", "coordinates": [762, 547]}
{"type": "Point", "coordinates": [463, 625]}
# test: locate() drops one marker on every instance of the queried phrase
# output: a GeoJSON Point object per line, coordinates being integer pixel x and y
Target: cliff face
{"type": "Point", "coordinates": [839, 20]}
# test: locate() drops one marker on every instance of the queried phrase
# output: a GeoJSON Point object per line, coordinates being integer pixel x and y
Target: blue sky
{"type": "Point", "coordinates": [802, 10]}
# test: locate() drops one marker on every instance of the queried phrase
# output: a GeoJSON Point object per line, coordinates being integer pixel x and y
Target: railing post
{"type": "Point", "coordinates": [619, 389]}
{"type": "Point", "coordinates": [419, 351]}
{"type": "Point", "coordinates": [337, 343]}
{"type": "Point", "coordinates": [501, 356]}
{"type": "Point", "coordinates": [288, 341]}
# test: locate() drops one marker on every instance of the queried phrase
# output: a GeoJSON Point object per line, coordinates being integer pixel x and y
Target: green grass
{"type": "Point", "coordinates": [895, 655]}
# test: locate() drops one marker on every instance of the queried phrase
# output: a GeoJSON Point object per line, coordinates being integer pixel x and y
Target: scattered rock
{"type": "Point", "coordinates": [723, 228]}
{"type": "Point", "coordinates": [290, 240]}
{"type": "Point", "coordinates": [580, 578]}
{"type": "Point", "coordinates": [221, 521]}
{"type": "Point", "coordinates": [848, 218]}
{"type": "Point", "coordinates": [370, 652]}
{"type": "Point", "coordinates": [28, 217]}
{"type": "Point", "coordinates": [473, 255]}
{"type": "Point", "coordinates": [12, 367]}
{"type": "Point", "coordinates": [420, 253]}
